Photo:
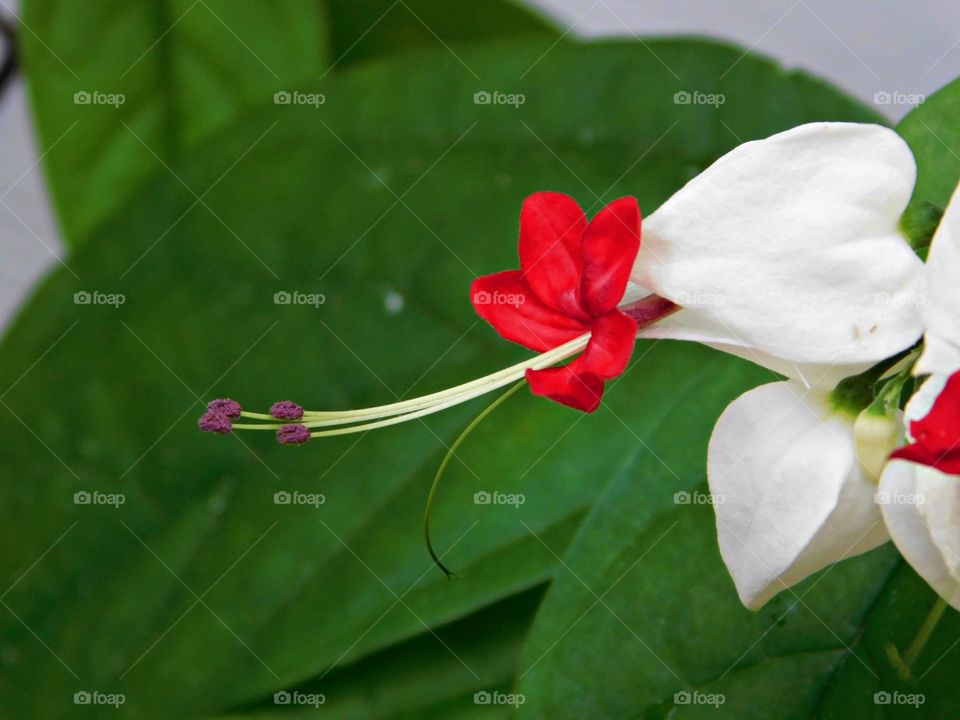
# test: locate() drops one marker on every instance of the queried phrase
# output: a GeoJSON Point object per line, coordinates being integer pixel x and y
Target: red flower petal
{"type": "Point", "coordinates": [948, 463]}
{"type": "Point", "coordinates": [573, 275]}
{"type": "Point", "coordinates": [611, 345]}
{"type": "Point", "coordinates": [580, 384]}
{"type": "Point", "coordinates": [567, 386]}
{"type": "Point", "coordinates": [937, 436]}
{"type": "Point", "coordinates": [551, 228]}
{"type": "Point", "coordinates": [506, 301]}
{"type": "Point", "coordinates": [940, 429]}
{"type": "Point", "coordinates": [610, 246]}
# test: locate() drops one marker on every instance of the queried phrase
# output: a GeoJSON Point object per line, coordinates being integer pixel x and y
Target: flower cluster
{"type": "Point", "coordinates": [788, 252]}
{"type": "Point", "coordinates": [809, 480]}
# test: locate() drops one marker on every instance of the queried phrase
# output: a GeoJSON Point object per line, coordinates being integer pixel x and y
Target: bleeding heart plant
{"type": "Point", "coordinates": [788, 252]}
{"type": "Point", "coordinates": [776, 234]}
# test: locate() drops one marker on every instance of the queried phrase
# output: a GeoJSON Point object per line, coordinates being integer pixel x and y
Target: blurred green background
{"type": "Point", "coordinates": [342, 149]}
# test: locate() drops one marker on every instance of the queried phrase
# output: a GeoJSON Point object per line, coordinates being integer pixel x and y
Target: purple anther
{"type": "Point", "coordinates": [215, 422]}
{"type": "Point", "coordinates": [286, 410]}
{"type": "Point", "coordinates": [293, 434]}
{"type": "Point", "coordinates": [225, 406]}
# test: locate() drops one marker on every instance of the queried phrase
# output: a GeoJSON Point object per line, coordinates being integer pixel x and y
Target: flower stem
{"type": "Point", "coordinates": [903, 665]}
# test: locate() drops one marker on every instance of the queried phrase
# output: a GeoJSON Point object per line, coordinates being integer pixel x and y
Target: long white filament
{"type": "Point", "coordinates": [399, 412]}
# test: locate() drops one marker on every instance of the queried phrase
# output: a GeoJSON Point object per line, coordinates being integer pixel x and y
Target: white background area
{"type": "Point", "coordinates": [863, 46]}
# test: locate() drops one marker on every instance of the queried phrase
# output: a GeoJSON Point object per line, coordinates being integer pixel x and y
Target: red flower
{"type": "Point", "coordinates": [937, 436]}
{"type": "Point", "coordinates": [572, 276]}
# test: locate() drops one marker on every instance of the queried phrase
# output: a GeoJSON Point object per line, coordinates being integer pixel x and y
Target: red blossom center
{"type": "Point", "coordinates": [573, 274]}
{"type": "Point", "coordinates": [937, 436]}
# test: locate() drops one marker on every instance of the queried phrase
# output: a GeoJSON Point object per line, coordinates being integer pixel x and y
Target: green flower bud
{"type": "Point", "coordinates": [875, 437]}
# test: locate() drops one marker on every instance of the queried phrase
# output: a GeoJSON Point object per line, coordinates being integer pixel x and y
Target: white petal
{"type": "Point", "coordinates": [941, 513]}
{"type": "Point", "coordinates": [921, 403]}
{"type": "Point", "coordinates": [691, 326]}
{"type": "Point", "coordinates": [941, 306]}
{"type": "Point", "coordinates": [922, 510]}
{"type": "Point", "coordinates": [791, 246]}
{"type": "Point", "coordinates": [925, 530]}
{"type": "Point", "coordinates": [938, 356]}
{"type": "Point", "coordinates": [790, 496]}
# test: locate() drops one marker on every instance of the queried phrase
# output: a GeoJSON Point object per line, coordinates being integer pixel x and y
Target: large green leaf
{"type": "Point", "coordinates": [934, 136]}
{"type": "Point", "coordinates": [199, 592]}
{"type": "Point", "coordinates": [186, 68]}
{"type": "Point", "coordinates": [646, 613]}
{"type": "Point", "coordinates": [422, 679]}
{"type": "Point", "coordinates": [646, 609]}
{"type": "Point", "coordinates": [359, 31]}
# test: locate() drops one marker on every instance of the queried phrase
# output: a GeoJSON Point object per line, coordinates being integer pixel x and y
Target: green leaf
{"type": "Point", "coordinates": [388, 200]}
{"type": "Point", "coordinates": [919, 223]}
{"type": "Point", "coordinates": [894, 619]}
{"type": "Point", "coordinates": [360, 31]}
{"type": "Point", "coordinates": [183, 69]}
{"type": "Point", "coordinates": [646, 614]}
{"type": "Point", "coordinates": [933, 134]}
{"type": "Point", "coordinates": [423, 678]}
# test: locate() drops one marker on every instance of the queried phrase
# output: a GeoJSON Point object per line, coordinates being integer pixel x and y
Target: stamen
{"type": "Point", "coordinates": [438, 400]}
{"type": "Point", "coordinates": [292, 435]}
{"type": "Point", "coordinates": [451, 451]}
{"type": "Point", "coordinates": [645, 311]}
{"type": "Point", "coordinates": [286, 410]}
{"type": "Point", "coordinates": [230, 408]}
{"type": "Point", "coordinates": [491, 382]}
{"type": "Point", "coordinates": [215, 422]}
